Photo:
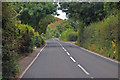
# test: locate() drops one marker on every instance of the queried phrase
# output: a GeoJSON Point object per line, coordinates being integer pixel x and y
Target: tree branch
{"type": "Point", "coordinates": [18, 13]}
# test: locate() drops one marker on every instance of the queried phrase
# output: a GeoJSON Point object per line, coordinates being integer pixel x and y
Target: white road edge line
{"type": "Point", "coordinates": [72, 59]}
{"type": "Point", "coordinates": [100, 55]}
{"type": "Point", "coordinates": [68, 53]}
{"type": "Point", "coordinates": [83, 69]}
{"type": "Point", "coordinates": [31, 63]}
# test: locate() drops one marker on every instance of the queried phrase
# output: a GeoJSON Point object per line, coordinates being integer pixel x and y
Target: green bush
{"type": "Point", "coordinates": [72, 36]}
{"type": "Point", "coordinates": [8, 43]}
{"type": "Point", "coordinates": [80, 32]}
{"type": "Point", "coordinates": [38, 40]}
{"type": "Point", "coordinates": [63, 26]}
{"type": "Point", "coordinates": [102, 37]}
{"type": "Point", "coordinates": [64, 34]}
{"type": "Point", "coordinates": [50, 33]}
{"type": "Point", "coordinates": [25, 38]}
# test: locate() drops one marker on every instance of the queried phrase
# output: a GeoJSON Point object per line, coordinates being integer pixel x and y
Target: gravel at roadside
{"type": "Point", "coordinates": [25, 61]}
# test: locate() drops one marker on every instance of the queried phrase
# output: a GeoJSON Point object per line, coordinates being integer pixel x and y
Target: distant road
{"type": "Point", "coordinates": [61, 59]}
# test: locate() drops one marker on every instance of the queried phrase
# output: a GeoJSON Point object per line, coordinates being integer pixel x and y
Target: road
{"type": "Point", "coordinates": [61, 59]}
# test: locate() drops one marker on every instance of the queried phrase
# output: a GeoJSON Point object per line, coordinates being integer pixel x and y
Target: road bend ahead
{"type": "Point", "coordinates": [61, 59]}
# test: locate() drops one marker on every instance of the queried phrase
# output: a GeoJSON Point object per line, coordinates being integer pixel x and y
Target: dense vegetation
{"type": "Point", "coordinates": [22, 29]}
{"type": "Point", "coordinates": [36, 14]}
{"type": "Point", "coordinates": [96, 24]}
{"type": "Point", "coordinates": [51, 30]}
{"type": "Point", "coordinates": [102, 37]}
{"type": "Point", "coordinates": [8, 43]}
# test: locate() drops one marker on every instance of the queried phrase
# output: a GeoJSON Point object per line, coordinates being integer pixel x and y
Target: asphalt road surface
{"type": "Point", "coordinates": [61, 59]}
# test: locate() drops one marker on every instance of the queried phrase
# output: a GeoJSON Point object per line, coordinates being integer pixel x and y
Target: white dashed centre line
{"type": "Point", "coordinates": [75, 61]}
{"type": "Point", "coordinates": [64, 49]}
{"type": "Point", "coordinates": [83, 69]}
{"type": "Point", "coordinates": [72, 59]}
{"type": "Point", "coordinates": [92, 77]}
{"type": "Point", "coordinates": [68, 53]}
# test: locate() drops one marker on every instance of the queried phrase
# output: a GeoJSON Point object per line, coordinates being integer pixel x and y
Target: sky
{"type": "Point", "coordinates": [62, 14]}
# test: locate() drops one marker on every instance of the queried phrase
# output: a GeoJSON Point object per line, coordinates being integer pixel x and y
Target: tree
{"type": "Point", "coordinates": [8, 43]}
{"type": "Point", "coordinates": [33, 12]}
{"type": "Point", "coordinates": [111, 7]}
{"type": "Point", "coordinates": [86, 12]}
{"type": "Point", "coordinates": [43, 23]}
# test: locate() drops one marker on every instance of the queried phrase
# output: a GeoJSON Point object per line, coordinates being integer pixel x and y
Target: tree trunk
{"type": "Point", "coordinates": [37, 25]}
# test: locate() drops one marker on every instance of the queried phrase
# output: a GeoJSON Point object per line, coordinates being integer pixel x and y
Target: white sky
{"type": "Point", "coordinates": [62, 14]}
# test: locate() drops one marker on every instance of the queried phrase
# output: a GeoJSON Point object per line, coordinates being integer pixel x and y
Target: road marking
{"type": "Point", "coordinates": [68, 53]}
{"type": "Point", "coordinates": [31, 63]}
{"type": "Point", "coordinates": [102, 56]}
{"type": "Point", "coordinates": [83, 69]}
{"type": "Point", "coordinates": [72, 59]}
{"type": "Point", "coordinates": [60, 44]}
{"type": "Point", "coordinates": [65, 50]}
{"type": "Point", "coordinates": [75, 61]}
{"type": "Point", "coordinates": [98, 54]}
{"type": "Point", "coordinates": [92, 77]}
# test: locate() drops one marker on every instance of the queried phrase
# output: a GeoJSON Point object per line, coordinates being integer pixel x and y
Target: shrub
{"type": "Point", "coordinates": [65, 35]}
{"type": "Point", "coordinates": [72, 36]}
{"type": "Point", "coordinates": [8, 43]}
{"type": "Point", "coordinates": [38, 40]}
{"type": "Point", "coordinates": [80, 32]}
{"type": "Point", "coordinates": [103, 37]}
{"type": "Point", "coordinates": [25, 38]}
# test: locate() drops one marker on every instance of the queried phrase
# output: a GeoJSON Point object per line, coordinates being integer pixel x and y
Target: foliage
{"type": "Point", "coordinates": [111, 8]}
{"type": "Point", "coordinates": [97, 26]}
{"type": "Point", "coordinates": [80, 32]}
{"type": "Point", "coordinates": [25, 38]}
{"type": "Point", "coordinates": [8, 43]}
{"type": "Point", "coordinates": [45, 22]}
{"type": "Point", "coordinates": [50, 34]}
{"type": "Point", "coordinates": [64, 34]}
{"type": "Point", "coordinates": [21, 38]}
{"type": "Point", "coordinates": [72, 36]}
{"type": "Point", "coordinates": [102, 37]}
{"type": "Point", "coordinates": [85, 12]}
{"type": "Point", "coordinates": [38, 40]}
{"type": "Point", "coordinates": [33, 13]}
{"type": "Point", "coordinates": [63, 26]}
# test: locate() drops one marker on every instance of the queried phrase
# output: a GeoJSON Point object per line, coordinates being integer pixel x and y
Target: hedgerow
{"type": "Point", "coordinates": [17, 39]}
{"type": "Point", "coordinates": [38, 40]}
{"type": "Point", "coordinates": [72, 36]}
{"type": "Point", "coordinates": [102, 37]}
{"type": "Point", "coordinates": [25, 38]}
{"type": "Point", "coordinates": [68, 35]}
{"type": "Point", "coordinates": [8, 43]}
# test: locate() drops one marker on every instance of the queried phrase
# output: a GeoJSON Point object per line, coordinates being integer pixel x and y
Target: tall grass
{"type": "Point", "coordinates": [102, 37]}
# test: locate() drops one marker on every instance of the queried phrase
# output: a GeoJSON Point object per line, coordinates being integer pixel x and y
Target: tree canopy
{"type": "Point", "coordinates": [86, 12]}
{"type": "Point", "coordinates": [32, 13]}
